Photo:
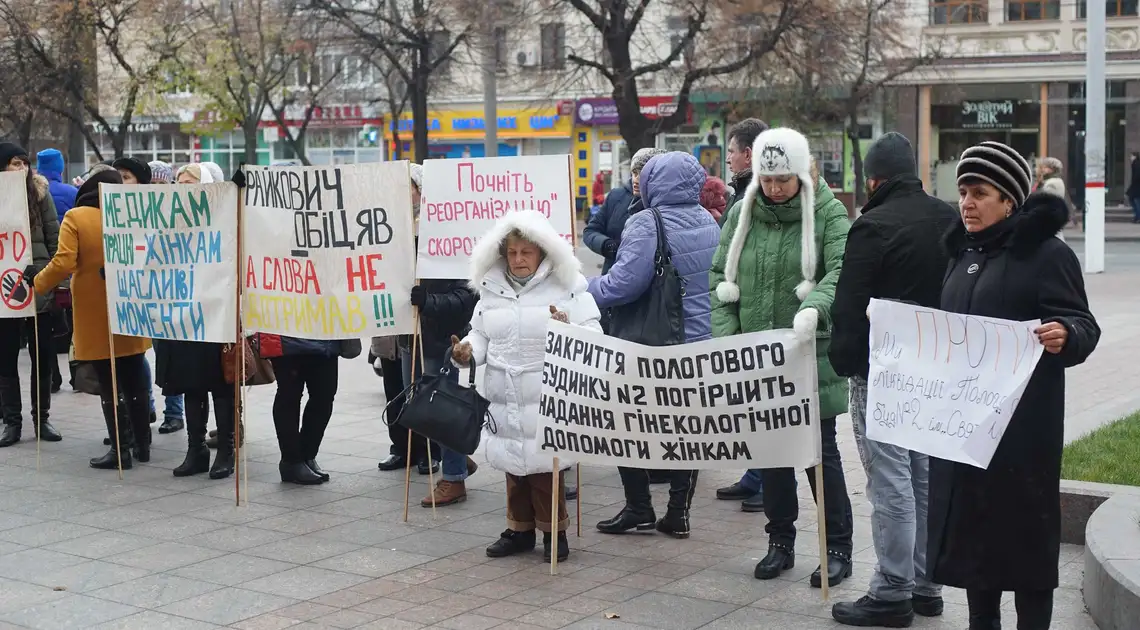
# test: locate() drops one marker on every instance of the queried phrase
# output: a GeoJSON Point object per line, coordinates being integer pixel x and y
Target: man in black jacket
{"type": "Point", "coordinates": [740, 141]}
{"type": "Point", "coordinates": [603, 231]}
{"type": "Point", "coordinates": [894, 252]}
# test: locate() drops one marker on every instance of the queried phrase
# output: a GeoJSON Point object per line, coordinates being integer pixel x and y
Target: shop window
{"type": "Point", "coordinates": [553, 46]}
{"type": "Point", "coordinates": [1032, 10]}
{"type": "Point", "coordinates": [440, 43]}
{"type": "Point", "coordinates": [959, 11]}
{"type": "Point", "coordinates": [1113, 8]}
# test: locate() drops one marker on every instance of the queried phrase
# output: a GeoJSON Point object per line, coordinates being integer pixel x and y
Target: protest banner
{"type": "Point", "coordinates": [747, 401]}
{"type": "Point", "coordinates": [329, 251]}
{"type": "Point", "coordinates": [946, 384]}
{"type": "Point", "coordinates": [170, 256]}
{"type": "Point", "coordinates": [463, 198]}
{"type": "Point", "coordinates": [17, 299]}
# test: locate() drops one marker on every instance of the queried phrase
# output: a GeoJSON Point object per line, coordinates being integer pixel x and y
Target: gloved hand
{"type": "Point", "coordinates": [239, 176]}
{"type": "Point", "coordinates": [558, 315]}
{"type": "Point", "coordinates": [419, 296]}
{"type": "Point", "coordinates": [805, 323]}
{"type": "Point", "coordinates": [610, 247]}
{"type": "Point", "coordinates": [30, 275]}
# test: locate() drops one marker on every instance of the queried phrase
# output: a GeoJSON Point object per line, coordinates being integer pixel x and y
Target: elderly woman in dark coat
{"type": "Point", "coordinates": [999, 529]}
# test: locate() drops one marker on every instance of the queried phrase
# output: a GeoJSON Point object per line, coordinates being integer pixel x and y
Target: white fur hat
{"type": "Point", "coordinates": [780, 151]}
{"type": "Point", "coordinates": [417, 173]}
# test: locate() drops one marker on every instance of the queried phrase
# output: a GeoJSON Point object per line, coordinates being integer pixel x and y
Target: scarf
{"type": "Point", "coordinates": [518, 282]}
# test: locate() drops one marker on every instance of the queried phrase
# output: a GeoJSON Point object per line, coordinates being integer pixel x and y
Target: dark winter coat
{"type": "Point", "coordinates": [608, 223]}
{"type": "Point", "coordinates": [446, 312]}
{"type": "Point", "coordinates": [894, 252]}
{"type": "Point", "coordinates": [188, 366]}
{"type": "Point", "coordinates": [739, 184]}
{"type": "Point", "coordinates": [1000, 528]}
{"type": "Point", "coordinates": [44, 234]}
{"type": "Point", "coordinates": [1134, 184]}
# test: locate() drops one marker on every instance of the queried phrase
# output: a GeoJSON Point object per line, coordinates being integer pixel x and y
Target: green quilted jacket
{"type": "Point", "coordinates": [770, 270]}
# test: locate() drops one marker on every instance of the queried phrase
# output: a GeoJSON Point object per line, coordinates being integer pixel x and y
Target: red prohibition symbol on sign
{"type": "Point", "coordinates": [11, 280]}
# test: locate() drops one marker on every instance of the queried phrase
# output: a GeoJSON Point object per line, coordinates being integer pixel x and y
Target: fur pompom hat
{"type": "Point", "coordinates": [780, 151]}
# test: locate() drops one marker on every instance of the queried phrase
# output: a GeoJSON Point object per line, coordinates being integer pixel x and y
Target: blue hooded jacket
{"type": "Point", "coordinates": [671, 183]}
{"type": "Point", "coordinates": [50, 164]}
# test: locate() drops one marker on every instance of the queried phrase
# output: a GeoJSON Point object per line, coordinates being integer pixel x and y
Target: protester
{"type": "Point", "coordinates": [1048, 179]}
{"type": "Point", "coordinates": [998, 528]}
{"type": "Point", "coordinates": [161, 172]}
{"type": "Point", "coordinates": [445, 308]}
{"type": "Point", "coordinates": [193, 370]}
{"type": "Point", "coordinates": [776, 267]}
{"type": "Point", "coordinates": [133, 170]}
{"type": "Point", "coordinates": [50, 164]}
{"type": "Point", "coordinates": [740, 140]}
{"type": "Point", "coordinates": [526, 274]}
{"type": "Point", "coordinates": [671, 185]}
{"type": "Point", "coordinates": [80, 255]}
{"type": "Point", "coordinates": [893, 252]}
{"type": "Point", "coordinates": [194, 174]}
{"type": "Point", "coordinates": [713, 198]}
{"type": "Point", "coordinates": [1134, 187]}
{"type": "Point", "coordinates": [603, 231]}
{"type": "Point", "coordinates": [44, 236]}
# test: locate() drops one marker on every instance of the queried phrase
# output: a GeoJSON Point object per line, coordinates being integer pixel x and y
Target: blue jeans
{"type": "Point", "coordinates": [175, 405]}
{"type": "Point", "coordinates": [753, 480]}
{"type": "Point", "coordinates": [454, 464]}
{"type": "Point", "coordinates": [1135, 208]}
{"type": "Point", "coordinates": [898, 486]}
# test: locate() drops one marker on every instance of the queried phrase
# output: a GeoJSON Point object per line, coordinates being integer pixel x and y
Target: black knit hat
{"type": "Point", "coordinates": [999, 165]}
{"type": "Point", "coordinates": [889, 156]}
{"type": "Point", "coordinates": [9, 150]}
{"type": "Point", "coordinates": [138, 168]}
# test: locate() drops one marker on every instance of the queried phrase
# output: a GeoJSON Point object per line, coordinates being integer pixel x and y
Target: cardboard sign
{"type": "Point", "coordinates": [329, 251]}
{"type": "Point", "coordinates": [170, 260]}
{"type": "Point", "coordinates": [17, 299]}
{"type": "Point", "coordinates": [462, 200]}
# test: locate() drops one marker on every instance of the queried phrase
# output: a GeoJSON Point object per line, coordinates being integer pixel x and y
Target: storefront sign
{"type": "Point", "coordinates": [988, 114]}
{"type": "Point", "coordinates": [512, 123]}
{"type": "Point", "coordinates": [141, 127]}
{"type": "Point", "coordinates": [603, 111]}
{"type": "Point", "coordinates": [326, 116]}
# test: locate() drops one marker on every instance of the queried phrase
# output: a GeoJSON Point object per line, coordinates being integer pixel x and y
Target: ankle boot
{"type": "Point", "coordinates": [511, 542]}
{"type": "Point", "coordinates": [42, 411]}
{"type": "Point", "coordinates": [563, 546]}
{"type": "Point", "coordinates": [197, 455]}
{"type": "Point", "coordinates": [682, 486]}
{"type": "Point", "coordinates": [10, 410]}
{"type": "Point", "coordinates": [638, 512]}
{"type": "Point", "coordinates": [780, 558]}
{"type": "Point", "coordinates": [119, 447]}
{"type": "Point", "coordinates": [224, 459]}
{"type": "Point", "coordinates": [675, 523]}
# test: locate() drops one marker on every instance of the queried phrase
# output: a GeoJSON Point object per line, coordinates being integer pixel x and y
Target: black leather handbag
{"type": "Point", "coordinates": [442, 411]}
{"type": "Point", "coordinates": [656, 318]}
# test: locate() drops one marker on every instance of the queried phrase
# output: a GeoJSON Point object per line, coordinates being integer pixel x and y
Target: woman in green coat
{"type": "Point", "coordinates": [776, 267]}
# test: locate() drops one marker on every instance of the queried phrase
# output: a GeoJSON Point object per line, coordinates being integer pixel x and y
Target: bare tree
{"type": "Point", "coordinates": [395, 99]}
{"type": "Point", "coordinates": [706, 39]}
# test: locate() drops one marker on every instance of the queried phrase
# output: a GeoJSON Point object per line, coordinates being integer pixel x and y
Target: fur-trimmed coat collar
{"type": "Point", "coordinates": [1040, 219]}
{"type": "Point", "coordinates": [536, 228]}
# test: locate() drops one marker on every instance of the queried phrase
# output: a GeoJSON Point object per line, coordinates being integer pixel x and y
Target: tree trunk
{"type": "Point", "coordinates": [397, 143]}
{"type": "Point", "coordinates": [250, 130]}
{"type": "Point", "coordinates": [25, 131]}
{"type": "Point", "coordinates": [856, 156]}
{"type": "Point", "coordinates": [420, 112]}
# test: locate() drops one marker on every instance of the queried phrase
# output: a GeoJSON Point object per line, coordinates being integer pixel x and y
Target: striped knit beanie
{"type": "Point", "coordinates": [999, 165]}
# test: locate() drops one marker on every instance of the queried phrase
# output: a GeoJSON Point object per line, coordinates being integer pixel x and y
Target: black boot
{"type": "Point", "coordinates": [110, 461]}
{"type": "Point", "coordinates": [683, 484]}
{"type": "Point", "coordinates": [298, 473]}
{"type": "Point", "coordinates": [780, 558]}
{"type": "Point", "coordinates": [313, 466]}
{"type": "Point", "coordinates": [510, 543]}
{"type": "Point", "coordinates": [638, 512]}
{"type": "Point", "coordinates": [870, 612]}
{"type": "Point", "coordinates": [10, 410]}
{"type": "Point", "coordinates": [563, 546]}
{"type": "Point", "coordinates": [197, 455]}
{"type": "Point", "coordinates": [41, 412]}
{"type": "Point", "coordinates": [838, 569]}
{"type": "Point", "coordinates": [139, 410]}
{"type": "Point", "coordinates": [224, 459]}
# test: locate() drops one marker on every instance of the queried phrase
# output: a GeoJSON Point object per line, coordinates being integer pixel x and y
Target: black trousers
{"type": "Point", "coordinates": [782, 506]}
{"type": "Point", "coordinates": [635, 481]}
{"type": "Point", "coordinates": [12, 332]}
{"type": "Point", "coordinates": [197, 405]}
{"type": "Point", "coordinates": [131, 376]}
{"type": "Point", "coordinates": [1034, 609]}
{"type": "Point", "coordinates": [299, 435]}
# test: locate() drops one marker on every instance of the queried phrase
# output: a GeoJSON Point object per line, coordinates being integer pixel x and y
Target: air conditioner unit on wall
{"type": "Point", "coordinates": [527, 56]}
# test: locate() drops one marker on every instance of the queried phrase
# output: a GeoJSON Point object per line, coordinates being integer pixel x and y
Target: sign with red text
{"type": "Point", "coordinates": [17, 299]}
{"type": "Point", "coordinates": [946, 384]}
{"type": "Point", "coordinates": [170, 260]}
{"type": "Point", "coordinates": [745, 401]}
{"type": "Point", "coordinates": [463, 198]}
{"type": "Point", "coordinates": [329, 250]}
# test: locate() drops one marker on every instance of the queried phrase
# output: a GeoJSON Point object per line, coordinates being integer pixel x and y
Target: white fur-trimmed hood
{"type": "Point", "coordinates": [538, 230]}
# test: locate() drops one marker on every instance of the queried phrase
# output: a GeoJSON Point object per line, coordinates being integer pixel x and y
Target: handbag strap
{"type": "Point", "coordinates": [663, 255]}
{"type": "Point", "coordinates": [447, 366]}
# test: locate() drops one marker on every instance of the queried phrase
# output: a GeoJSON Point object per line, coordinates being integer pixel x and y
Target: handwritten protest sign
{"type": "Point", "coordinates": [748, 401]}
{"type": "Point", "coordinates": [329, 250]}
{"type": "Point", "coordinates": [16, 298]}
{"type": "Point", "coordinates": [463, 198]}
{"type": "Point", "coordinates": [170, 255]}
{"type": "Point", "coordinates": [946, 384]}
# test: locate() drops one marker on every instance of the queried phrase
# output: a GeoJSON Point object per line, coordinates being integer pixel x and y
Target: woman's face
{"type": "Point", "coordinates": [183, 178]}
{"type": "Point", "coordinates": [128, 177]}
{"type": "Point", "coordinates": [17, 164]}
{"type": "Point", "coordinates": [981, 206]}
{"type": "Point", "coordinates": [416, 194]}
{"type": "Point", "coordinates": [636, 177]}
{"type": "Point", "coordinates": [780, 188]}
{"type": "Point", "coordinates": [523, 256]}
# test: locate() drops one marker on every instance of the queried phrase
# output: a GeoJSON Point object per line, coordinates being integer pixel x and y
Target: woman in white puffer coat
{"type": "Point", "coordinates": [526, 274]}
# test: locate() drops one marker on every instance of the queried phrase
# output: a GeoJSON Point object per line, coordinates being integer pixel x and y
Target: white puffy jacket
{"type": "Point", "coordinates": [508, 334]}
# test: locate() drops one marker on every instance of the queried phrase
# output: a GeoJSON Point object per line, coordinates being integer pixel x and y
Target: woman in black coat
{"type": "Point", "coordinates": [194, 369]}
{"type": "Point", "coordinates": [999, 529]}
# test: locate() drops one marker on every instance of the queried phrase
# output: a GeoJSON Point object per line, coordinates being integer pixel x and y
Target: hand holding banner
{"type": "Point", "coordinates": [946, 384]}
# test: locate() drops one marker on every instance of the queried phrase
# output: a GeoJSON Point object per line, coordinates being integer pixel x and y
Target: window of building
{"type": "Point", "coordinates": [678, 28]}
{"type": "Point", "coordinates": [959, 11]}
{"type": "Point", "coordinates": [1113, 8]}
{"type": "Point", "coordinates": [500, 49]}
{"type": "Point", "coordinates": [440, 42]}
{"type": "Point", "coordinates": [553, 46]}
{"type": "Point", "coordinates": [1032, 10]}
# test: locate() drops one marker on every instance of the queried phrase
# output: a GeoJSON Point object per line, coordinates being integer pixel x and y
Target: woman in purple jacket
{"type": "Point", "coordinates": [672, 184]}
